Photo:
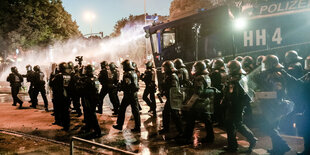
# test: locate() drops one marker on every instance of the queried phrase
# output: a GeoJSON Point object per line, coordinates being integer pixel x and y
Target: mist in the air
{"type": "Point", "coordinates": [129, 45]}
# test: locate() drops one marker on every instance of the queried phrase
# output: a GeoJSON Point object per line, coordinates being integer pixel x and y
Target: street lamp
{"type": "Point", "coordinates": [90, 16]}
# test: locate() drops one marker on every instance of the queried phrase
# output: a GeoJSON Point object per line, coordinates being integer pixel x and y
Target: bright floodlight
{"type": "Point", "coordinates": [89, 16]}
{"type": "Point", "coordinates": [240, 23]}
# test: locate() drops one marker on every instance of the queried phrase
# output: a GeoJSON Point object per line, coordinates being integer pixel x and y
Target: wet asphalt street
{"type": "Point", "coordinates": [39, 123]}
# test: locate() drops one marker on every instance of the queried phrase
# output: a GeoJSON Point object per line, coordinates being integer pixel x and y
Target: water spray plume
{"type": "Point", "coordinates": [130, 43]}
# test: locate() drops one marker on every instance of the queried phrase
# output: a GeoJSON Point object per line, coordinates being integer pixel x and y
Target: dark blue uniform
{"type": "Point", "coordinates": [130, 87]}
{"type": "Point", "coordinates": [39, 87]}
{"type": "Point", "coordinates": [15, 80]}
{"type": "Point", "coordinates": [170, 80]}
{"type": "Point", "coordinates": [150, 88]}
{"type": "Point", "coordinates": [60, 84]}
{"type": "Point", "coordinates": [90, 99]}
{"type": "Point", "coordinates": [234, 102]}
{"type": "Point", "coordinates": [202, 108]}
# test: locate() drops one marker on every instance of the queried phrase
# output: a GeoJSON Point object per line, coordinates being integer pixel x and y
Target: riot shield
{"type": "Point", "coordinates": [187, 94]}
{"type": "Point", "coordinates": [264, 103]}
{"type": "Point", "coordinates": [190, 102]}
{"type": "Point", "coordinates": [176, 98]}
{"type": "Point", "coordinates": [250, 84]}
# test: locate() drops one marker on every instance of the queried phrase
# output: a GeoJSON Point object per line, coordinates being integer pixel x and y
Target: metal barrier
{"type": "Point", "coordinates": [96, 144]}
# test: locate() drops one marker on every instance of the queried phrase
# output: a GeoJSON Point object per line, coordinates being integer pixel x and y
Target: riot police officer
{"type": "Point", "coordinates": [202, 102]}
{"type": "Point", "coordinates": [248, 64]}
{"type": "Point", "coordinates": [60, 86]}
{"type": "Point", "coordinates": [234, 102]}
{"type": "Point", "coordinates": [103, 78]}
{"type": "Point", "coordinates": [272, 81]}
{"type": "Point", "coordinates": [89, 92]}
{"type": "Point", "coordinates": [292, 64]}
{"type": "Point", "coordinates": [294, 68]}
{"type": "Point", "coordinates": [15, 80]}
{"type": "Point", "coordinates": [182, 72]}
{"type": "Point", "coordinates": [39, 87]}
{"type": "Point", "coordinates": [129, 85]}
{"type": "Point", "coordinates": [73, 93]}
{"type": "Point", "coordinates": [150, 87]}
{"type": "Point", "coordinates": [113, 82]}
{"type": "Point", "coordinates": [218, 80]}
{"type": "Point", "coordinates": [29, 78]}
{"type": "Point", "coordinates": [304, 124]}
{"type": "Point", "coordinates": [218, 75]}
{"type": "Point", "coordinates": [184, 80]}
{"type": "Point", "coordinates": [53, 73]}
{"type": "Point", "coordinates": [134, 65]}
{"type": "Point", "coordinates": [76, 96]}
{"type": "Point", "coordinates": [170, 80]}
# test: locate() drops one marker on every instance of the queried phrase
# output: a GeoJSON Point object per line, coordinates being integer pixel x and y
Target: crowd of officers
{"type": "Point", "coordinates": [210, 92]}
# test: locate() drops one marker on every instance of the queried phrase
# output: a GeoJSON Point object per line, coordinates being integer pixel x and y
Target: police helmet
{"type": "Point", "coordinates": [14, 70]}
{"type": "Point", "coordinates": [134, 65]}
{"type": "Point", "coordinates": [127, 65]}
{"type": "Point", "coordinates": [239, 58]}
{"type": "Point", "coordinates": [112, 66]}
{"type": "Point", "coordinates": [271, 62]}
{"type": "Point", "coordinates": [307, 63]}
{"type": "Point", "coordinates": [235, 67]}
{"type": "Point", "coordinates": [247, 62]}
{"type": "Point", "coordinates": [89, 69]}
{"type": "Point", "coordinates": [199, 68]}
{"type": "Point", "coordinates": [168, 67]}
{"type": "Point", "coordinates": [76, 68]}
{"type": "Point", "coordinates": [70, 64]}
{"type": "Point", "coordinates": [259, 60]}
{"type": "Point", "coordinates": [28, 67]}
{"type": "Point", "coordinates": [149, 65]}
{"type": "Point", "coordinates": [218, 64]}
{"type": "Point", "coordinates": [292, 56]}
{"type": "Point", "coordinates": [207, 62]}
{"type": "Point", "coordinates": [179, 63]}
{"type": "Point", "coordinates": [36, 68]}
{"type": "Point", "coordinates": [62, 67]}
{"type": "Point", "coordinates": [104, 64]}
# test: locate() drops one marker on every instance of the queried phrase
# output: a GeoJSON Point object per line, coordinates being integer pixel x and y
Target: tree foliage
{"type": "Point", "coordinates": [181, 8]}
{"type": "Point", "coordinates": [25, 24]}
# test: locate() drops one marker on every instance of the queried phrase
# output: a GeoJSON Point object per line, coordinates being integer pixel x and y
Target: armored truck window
{"type": "Point", "coordinates": [168, 38]}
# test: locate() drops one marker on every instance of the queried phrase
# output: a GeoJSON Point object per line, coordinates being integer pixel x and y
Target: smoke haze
{"type": "Point", "coordinates": [129, 45]}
